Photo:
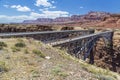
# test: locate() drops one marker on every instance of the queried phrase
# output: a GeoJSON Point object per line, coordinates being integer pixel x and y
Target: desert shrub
{"type": "Point", "coordinates": [3, 67]}
{"type": "Point", "coordinates": [57, 71]}
{"type": "Point", "coordinates": [67, 28]}
{"type": "Point", "coordinates": [104, 77]}
{"type": "Point", "coordinates": [63, 74]}
{"type": "Point", "coordinates": [2, 44]}
{"type": "Point", "coordinates": [20, 44]}
{"type": "Point", "coordinates": [39, 53]}
{"type": "Point", "coordinates": [20, 40]}
{"type": "Point", "coordinates": [35, 73]}
{"type": "Point", "coordinates": [15, 49]}
{"type": "Point", "coordinates": [26, 51]}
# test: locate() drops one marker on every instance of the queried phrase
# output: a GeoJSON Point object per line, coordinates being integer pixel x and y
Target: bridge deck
{"type": "Point", "coordinates": [42, 32]}
{"type": "Point", "coordinates": [77, 38]}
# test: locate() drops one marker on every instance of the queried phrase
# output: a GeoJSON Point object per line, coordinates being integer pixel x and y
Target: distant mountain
{"type": "Point", "coordinates": [101, 19]}
{"type": "Point", "coordinates": [90, 16]}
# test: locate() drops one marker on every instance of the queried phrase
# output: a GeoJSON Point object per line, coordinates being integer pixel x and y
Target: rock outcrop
{"type": "Point", "coordinates": [23, 28]}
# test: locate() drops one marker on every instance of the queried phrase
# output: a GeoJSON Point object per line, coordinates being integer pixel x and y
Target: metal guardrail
{"type": "Point", "coordinates": [78, 38]}
{"type": "Point", "coordinates": [42, 32]}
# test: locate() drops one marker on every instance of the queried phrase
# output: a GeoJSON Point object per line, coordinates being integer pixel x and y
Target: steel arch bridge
{"type": "Point", "coordinates": [84, 44]}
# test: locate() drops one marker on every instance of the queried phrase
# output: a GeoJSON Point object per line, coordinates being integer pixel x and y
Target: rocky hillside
{"type": "Point", "coordinates": [28, 59]}
{"type": "Point", "coordinates": [31, 27]}
{"type": "Point", "coordinates": [23, 28]}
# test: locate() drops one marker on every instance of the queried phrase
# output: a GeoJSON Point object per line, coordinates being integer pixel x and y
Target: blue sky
{"type": "Point", "coordinates": [19, 10]}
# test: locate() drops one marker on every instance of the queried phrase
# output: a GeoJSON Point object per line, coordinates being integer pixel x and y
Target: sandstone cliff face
{"type": "Point", "coordinates": [110, 22]}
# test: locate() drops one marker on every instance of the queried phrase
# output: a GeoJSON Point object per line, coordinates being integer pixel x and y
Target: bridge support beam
{"type": "Point", "coordinates": [111, 53]}
{"type": "Point", "coordinates": [109, 41]}
{"type": "Point", "coordinates": [91, 61]}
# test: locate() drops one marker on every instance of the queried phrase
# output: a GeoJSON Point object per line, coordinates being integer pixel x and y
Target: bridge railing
{"type": "Point", "coordinates": [79, 38]}
{"type": "Point", "coordinates": [48, 35]}
{"type": "Point", "coordinates": [83, 44]}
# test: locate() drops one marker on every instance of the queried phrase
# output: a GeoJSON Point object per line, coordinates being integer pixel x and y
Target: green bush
{"type": "Point", "coordinates": [2, 44]}
{"type": "Point", "coordinates": [20, 44]}
{"type": "Point", "coordinates": [26, 51]}
{"type": "Point", "coordinates": [3, 67]}
{"type": "Point", "coordinates": [39, 53]}
{"type": "Point", "coordinates": [57, 71]}
{"type": "Point", "coordinates": [104, 77]}
{"type": "Point", "coordinates": [15, 49]}
{"type": "Point", "coordinates": [20, 40]}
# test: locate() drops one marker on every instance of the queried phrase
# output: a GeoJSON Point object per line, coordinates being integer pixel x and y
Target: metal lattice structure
{"type": "Point", "coordinates": [83, 45]}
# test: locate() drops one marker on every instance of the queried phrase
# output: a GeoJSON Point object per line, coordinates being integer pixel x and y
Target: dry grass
{"type": "Point", "coordinates": [27, 65]}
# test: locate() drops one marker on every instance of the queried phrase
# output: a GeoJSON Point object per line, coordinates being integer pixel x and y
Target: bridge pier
{"type": "Point", "coordinates": [91, 61]}
{"type": "Point", "coordinates": [111, 52]}
{"type": "Point", "coordinates": [109, 41]}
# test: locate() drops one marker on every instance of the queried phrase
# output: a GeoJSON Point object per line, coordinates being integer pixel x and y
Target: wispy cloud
{"type": "Point", "coordinates": [6, 5]}
{"type": "Point", "coordinates": [81, 7]}
{"type": "Point", "coordinates": [52, 1]}
{"type": "Point", "coordinates": [54, 14]}
{"type": "Point", "coordinates": [21, 8]}
{"type": "Point", "coordinates": [44, 9]}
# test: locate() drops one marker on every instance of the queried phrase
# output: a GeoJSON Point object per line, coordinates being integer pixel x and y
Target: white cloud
{"type": "Point", "coordinates": [53, 7]}
{"type": "Point", "coordinates": [21, 8]}
{"type": "Point", "coordinates": [44, 9]}
{"type": "Point", "coordinates": [52, 1]}
{"type": "Point", "coordinates": [81, 7]}
{"type": "Point", "coordinates": [6, 6]}
{"type": "Point", "coordinates": [21, 17]}
{"type": "Point", "coordinates": [54, 14]}
{"type": "Point", "coordinates": [44, 3]}
{"type": "Point", "coordinates": [33, 15]}
{"type": "Point", "coordinates": [6, 19]}
{"type": "Point", "coordinates": [49, 14]}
